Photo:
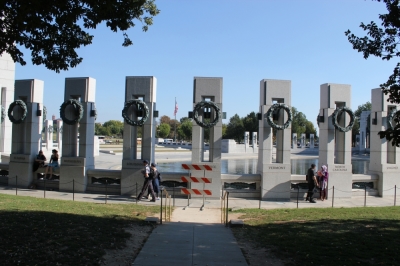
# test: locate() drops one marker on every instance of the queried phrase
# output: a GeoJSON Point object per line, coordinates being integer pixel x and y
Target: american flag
{"type": "Point", "coordinates": [176, 108]}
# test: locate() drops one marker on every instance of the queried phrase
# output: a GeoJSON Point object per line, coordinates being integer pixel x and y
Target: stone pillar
{"type": "Point", "coordinates": [143, 88]}
{"type": "Point", "coordinates": [246, 140]}
{"type": "Point", "coordinates": [363, 129]}
{"type": "Point", "coordinates": [294, 140]}
{"type": "Point", "coordinates": [384, 158]}
{"type": "Point", "coordinates": [76, 160]}
{"type": "Point", "coordinates": [49, 136]}
{"type": "Point", "coordinates": [254, 142]}
{"type": "Point", "coordinates": [207, 89]}
{"type": "Point", "coordinates": [303, 140]}
{"type": "Point", "coordinates": [7, 80]}
{"type": "Point", "coordinates": [335, 146]}
{"type": "Point", "coordinates": [275, 184]}
{"type": "Point", "coordinates": [312, 142]}
{"type": "Point", "coordinates": [358, 141]}
{"type": "Point", "coordinates": [27, 134]}
{"type": "Point", "coordinates": [59, 135]}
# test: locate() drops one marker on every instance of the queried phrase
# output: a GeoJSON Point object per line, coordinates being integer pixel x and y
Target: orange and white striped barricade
{"type": "Point", "coordinates": [191, 179]}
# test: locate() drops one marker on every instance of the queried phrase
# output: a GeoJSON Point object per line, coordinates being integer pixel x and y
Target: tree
{"type": "Point", "coordinates": [115, 127]}
{"type": "Point", "coordinates": [383, 42]}
{"type": "Point", "coordinates": [310, 129]}
{"type": "Point", "coordinates": [235, 129]}
{"type": "Point", "coordinates": [97, 128]}
{"type": "Point", "coordinates": [250, 123]}
{"type": "Point", "coordinates": [163, 130]}
{"type": "Point", "coordinates": [165, 120]}
{"type": "Point", "coordinates": [53, 30]}
{"type": "Point", "coordinates": [364, 107]}
{"type": "Point", "coordinates": [299, 122]}
{"type": "Point", "coordinates": [186, 129]}
{"type": "Point", "coordinates": [173, 124]}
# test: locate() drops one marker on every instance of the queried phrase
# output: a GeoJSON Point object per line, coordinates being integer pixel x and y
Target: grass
{"type": "Point", "coordinates": [343, 236]}
{"type": "Point", "coordinates": [55, 232]}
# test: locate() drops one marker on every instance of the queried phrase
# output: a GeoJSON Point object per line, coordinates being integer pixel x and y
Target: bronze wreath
{"type": "Point", "coordinates": [140, 105]}
{"type": "Point", "coordinates": [337, 113]}
{"type": "Point", "coordinates": [202, 105]}
{"type": "Point", "coordinates": [78, 111]}
{"type": "Point", "coordinates": [22, 105]}
{"type": "Point", "coordinates": [276, 107]}
{"type": "Point", "coordinates": [393, 119]}
{"type": "Point", "coordinates": [3, 114]}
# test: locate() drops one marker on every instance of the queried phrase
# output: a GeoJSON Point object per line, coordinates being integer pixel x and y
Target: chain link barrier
{"type": "Point", "coordinates": [225, 196]}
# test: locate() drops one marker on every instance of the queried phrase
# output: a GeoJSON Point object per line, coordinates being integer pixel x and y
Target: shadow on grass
{"type": "Point", "coordinates": [330, 242]}
{"type": "Point", "coordinates": [48, 238]}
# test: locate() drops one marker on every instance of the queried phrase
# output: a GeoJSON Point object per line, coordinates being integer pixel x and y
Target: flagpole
{"type": "Point", "coordinates": [175, 122]}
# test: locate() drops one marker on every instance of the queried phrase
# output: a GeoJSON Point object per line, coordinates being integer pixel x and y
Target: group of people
{"type": "Point", "coordinates": [41, 159]}
{"type": "Point", "coordinates": [317, 180]}
{"type": "Point", "coordinates": [151, 185]}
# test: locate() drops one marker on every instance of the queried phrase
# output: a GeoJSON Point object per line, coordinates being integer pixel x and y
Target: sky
{"type": "Point", "coordinates": [242, 41]}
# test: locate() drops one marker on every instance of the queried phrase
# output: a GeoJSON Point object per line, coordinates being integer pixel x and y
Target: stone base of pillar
{"type": "Point", "coordinates": [275, 184]}
{"type": "Point", "coordinates": [73, 178]}
{"type": "Point", "coordinates": [340, 176]}
{"type": "Point", "coordinates": [388, 178]}
{"type": "Point", "coordinates": [73, 174]}
{"type": "Point", "coordinates": [131, 177]}
{"type": "Point", "coordinates": [21, 166]}
{"type": "Point", "coordinates": [5, 158]}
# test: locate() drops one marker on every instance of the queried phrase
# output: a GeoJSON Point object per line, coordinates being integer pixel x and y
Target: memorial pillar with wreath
{"type": "Point", "coordinates": [294, 140]}
{"type": "Point", "coordinates": [207, 115]}
{"type": "Point", "coordinates": [335, 120]}
{"type": "Point", "coordinates": [246, 138]}
{"type": "Point", "coordinates": [78, 113]}
{"type": "Point", "coordinates": [139, 115]}
{"type": "Point", "coordinates": [254, 142]}
{"type": "Point", "coordinates": [7, 82]}
{"type": "Point", "coordinates": [312, 143]}
{"type": "Point", "coordinates": [48, 130]}
{"type": "Point", "coordinates": [59, 135]}
{"type": "Point", "coordinates": [303, 140]}
{"type": "Point", "coordinates": [26, 115]}
{"type": "Point", "coordinates": [276, 115]}
{"type": "Point", "coordinates": [384, 157]}
{"type": "Point", "coordinates": [364, 128]}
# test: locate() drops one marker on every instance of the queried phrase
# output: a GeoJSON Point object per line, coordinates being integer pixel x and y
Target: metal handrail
{"type": "Point", "coordinates": [225, 208]}
{"type": "Point", "coordinates": [167, 211]}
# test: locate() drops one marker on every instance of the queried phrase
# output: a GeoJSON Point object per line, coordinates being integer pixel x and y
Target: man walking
{"type": "Point", "coordinates": [312, 182]}
{"type": "Point", "coordinates": [147, 183]}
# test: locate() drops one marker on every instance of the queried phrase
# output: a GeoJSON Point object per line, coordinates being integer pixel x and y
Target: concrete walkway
{"type": "Point", "coordinates": [189, 244]}
{"type": "Point", "coordinates": [193, 237]}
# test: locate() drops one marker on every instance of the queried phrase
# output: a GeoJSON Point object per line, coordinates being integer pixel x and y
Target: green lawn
{"type": "Point", "coordinates": [45, 231]}
{"type": "Point", "coordinates": [343, 236]}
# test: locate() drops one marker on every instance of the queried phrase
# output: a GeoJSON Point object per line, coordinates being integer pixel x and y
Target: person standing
{"type": "Point", "coordinates": [312, 182]}
{"type": "Point", "coordinates": [324, 182]}
{"type": "Point", "coordinates": [147, 183]}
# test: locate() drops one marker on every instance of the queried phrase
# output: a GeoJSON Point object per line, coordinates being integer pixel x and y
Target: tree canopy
{"type": "Point", "coordinates": [382, 42]}
{"type": "Point", "coordinates": [53, 30]}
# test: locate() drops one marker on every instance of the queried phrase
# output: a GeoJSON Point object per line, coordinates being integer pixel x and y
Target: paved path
{"type": "Point", "coordinates": [189, 244]}
{"type": "Point", "coordinates": [193, 237]}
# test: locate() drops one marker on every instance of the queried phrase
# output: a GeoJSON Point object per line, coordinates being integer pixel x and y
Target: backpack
{"type": "Point", "coordinates": [152, 173]}
{"type": "Point", "coordinates": [159, 176]}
